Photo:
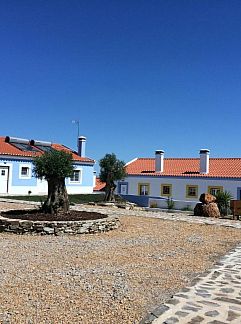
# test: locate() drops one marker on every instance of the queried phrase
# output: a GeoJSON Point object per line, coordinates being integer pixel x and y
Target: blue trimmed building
{"type": "Point", "coordinates": [16, 157]}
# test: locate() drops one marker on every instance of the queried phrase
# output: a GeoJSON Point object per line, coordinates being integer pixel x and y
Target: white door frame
{"type": "Point", "coordinates": [123, 188]}
{"type": "Point", "coordinates": [4, 179]}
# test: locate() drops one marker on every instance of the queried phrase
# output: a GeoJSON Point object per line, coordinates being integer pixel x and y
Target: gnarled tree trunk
{"type": "Point", "coordinates": [57, 197]}
{"type": "Point", "coordinates": [110, 192]}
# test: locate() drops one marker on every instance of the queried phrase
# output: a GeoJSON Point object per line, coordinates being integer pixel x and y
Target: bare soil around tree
{"type": "Point", "coordinates": [37, 215]}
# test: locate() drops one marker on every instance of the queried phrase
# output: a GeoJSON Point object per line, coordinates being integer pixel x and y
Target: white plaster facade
{"type": "Point", "coordinates": [151, 181]}
{"type": "Point", "coordinates": [178, 186]}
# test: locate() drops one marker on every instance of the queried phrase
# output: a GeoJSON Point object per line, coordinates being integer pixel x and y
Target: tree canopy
{"type": "Point", "coordinates": [111, 170]}
{"type": "Point", "coordinates": [54, 166]}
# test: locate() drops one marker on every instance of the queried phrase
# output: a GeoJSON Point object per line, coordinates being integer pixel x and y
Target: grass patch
{"type": "Point", "coordinates": [73, 199]}
{"type": "Point", "coordinates": [26, 198]}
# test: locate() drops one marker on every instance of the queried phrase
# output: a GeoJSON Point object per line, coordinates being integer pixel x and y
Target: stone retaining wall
{"type": "Point", "coordinates": [58, 227]}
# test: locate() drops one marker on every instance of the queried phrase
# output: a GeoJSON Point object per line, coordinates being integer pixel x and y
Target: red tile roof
{"type": "Point", "coordinates": [7, 149]}
{"type": "Point", "coordinates": [99, 186]}
{"type": "Point", "coordinates": [187, 167]}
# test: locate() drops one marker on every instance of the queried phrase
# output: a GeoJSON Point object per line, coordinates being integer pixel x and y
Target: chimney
{"type": "Point", "coordinates": [159, 161]}
{"type": "Point", "coordinates": [94, 179]}
{"type": "Point", "coordinates": [204, 161]}
{"type": "Point", "coordinates": [81, 146]}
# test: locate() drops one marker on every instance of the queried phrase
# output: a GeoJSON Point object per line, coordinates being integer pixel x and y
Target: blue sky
{"type": "Point", "coordinates": [138, 75]}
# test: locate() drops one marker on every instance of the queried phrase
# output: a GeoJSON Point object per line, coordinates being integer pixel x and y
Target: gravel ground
{"type": "Point", "coordinates": [114, 277]}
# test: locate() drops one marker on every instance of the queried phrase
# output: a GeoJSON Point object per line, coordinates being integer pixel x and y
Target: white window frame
{"type": "Point", "coordinates": [80, 177]}
{"type": "Point", "coordinates": [213, 190]}
{"type": "Point", "coordinates": [27, 176]}
{"type": "Point", "coordinates": [143, 189]}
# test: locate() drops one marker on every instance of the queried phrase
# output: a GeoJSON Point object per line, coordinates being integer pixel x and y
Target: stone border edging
{"type": "Point", "coordinates": [20, 226]}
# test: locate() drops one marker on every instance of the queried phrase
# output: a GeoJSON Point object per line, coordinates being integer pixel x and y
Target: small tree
{"type": "Point", "coordinates": [111, 170]}
{"type": "Point", "coordinates": [54, 167]}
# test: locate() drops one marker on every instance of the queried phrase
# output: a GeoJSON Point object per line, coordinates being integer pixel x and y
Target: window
{"type": "Point", "coordinates": [213, 190]}
{"type": "Point", "coordinates": [191, 191]}
{"type": "Point", "coordinates": [24, 172]}
{"type": "Point", "coordinates": [166, 190]}
{"type": "Point", "coordinates": [143, 189]}
{"type": "Point", "coordinates": [76, 176]}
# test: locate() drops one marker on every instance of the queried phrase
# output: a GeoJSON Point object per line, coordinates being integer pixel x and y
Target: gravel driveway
{"type": "Point", "coordinates": [114, 277]}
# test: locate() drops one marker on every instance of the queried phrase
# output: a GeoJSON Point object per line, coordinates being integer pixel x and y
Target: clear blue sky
{"type": "Point", "coordinates": [139, 75]}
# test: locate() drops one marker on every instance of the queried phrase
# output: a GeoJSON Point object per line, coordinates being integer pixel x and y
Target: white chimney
{"type": "Point", "coordinates": [81, 146]}
{"type": "Point", "coordinates": [159, 161]}
{"type": "Point", "coordinates": [204, 161]}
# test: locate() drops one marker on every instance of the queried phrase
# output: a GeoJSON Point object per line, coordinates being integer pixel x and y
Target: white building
{"type": "Point", "coordinates": [151, 181]}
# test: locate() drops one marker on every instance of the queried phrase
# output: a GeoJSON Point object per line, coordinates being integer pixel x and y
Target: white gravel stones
{"type": "Point", "coordinates": [118, 276]}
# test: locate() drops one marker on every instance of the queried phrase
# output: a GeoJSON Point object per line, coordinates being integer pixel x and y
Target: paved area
{"type": "Point", "coordinates": [214, 299]}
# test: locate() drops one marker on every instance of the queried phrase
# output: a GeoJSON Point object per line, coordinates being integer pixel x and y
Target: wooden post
{"type": "Point", "coordinates": [235, 206]}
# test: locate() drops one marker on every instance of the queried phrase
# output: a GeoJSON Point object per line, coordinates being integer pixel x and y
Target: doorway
{"type": "Point", "coordinates": [4, 179]}
{"type": "Point", "coordinates": [123, 189]}
{"type": "Point", "coordinates": [238, 193]}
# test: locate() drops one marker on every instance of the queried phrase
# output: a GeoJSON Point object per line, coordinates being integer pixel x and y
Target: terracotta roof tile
{"type": "Point", "coordinates": [187, 167]}
{"type": "Point", "coordinates": [99, 186]}
{"type": "Point", "coordinates": [10, 150]}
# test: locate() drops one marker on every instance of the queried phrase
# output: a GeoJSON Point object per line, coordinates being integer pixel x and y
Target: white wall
{"type": "Point", "coordinates": [178, 204]}
{"type": "Point", "coordinates": [79, 190]}
{"type": "Point", "coordinates": [179, 186]}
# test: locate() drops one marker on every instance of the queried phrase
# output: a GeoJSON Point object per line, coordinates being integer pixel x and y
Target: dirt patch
{"type": "Point", "coordinates": [36, 215]}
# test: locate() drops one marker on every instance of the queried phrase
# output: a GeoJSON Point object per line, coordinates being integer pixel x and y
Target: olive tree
{"type": "Point", "coordinates": [111, 170]}
{"type": "Point", "coordinates": [54, 167]}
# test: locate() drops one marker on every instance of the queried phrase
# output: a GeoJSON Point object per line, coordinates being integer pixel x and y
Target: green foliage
{"type": "Point", "coordinates": [53, 165]}
{"type": "Point", "coordinates": [111, 170]}
{"type": "Point", "coordinates": [170, 203]}
{"type": "Point", "coordinates": [25, 198]}
{"type": "Point", "coordinates": [223, 201]}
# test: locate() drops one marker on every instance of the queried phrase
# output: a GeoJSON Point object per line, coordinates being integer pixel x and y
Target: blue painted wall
{"type": "Point", "coordinates": [87, 173]}
{"type": "Point", "coordinates": [142, 201]}
{"type": "Point", "coordinates": [16, 181]}
{"type": "Point", "coordinates": [122, 183]}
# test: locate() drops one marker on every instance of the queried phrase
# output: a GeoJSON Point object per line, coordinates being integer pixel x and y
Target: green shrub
{"type": "Point", "coordinates": [223, 201]}
{"type": "Point", "coordinates": [170, 203]}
